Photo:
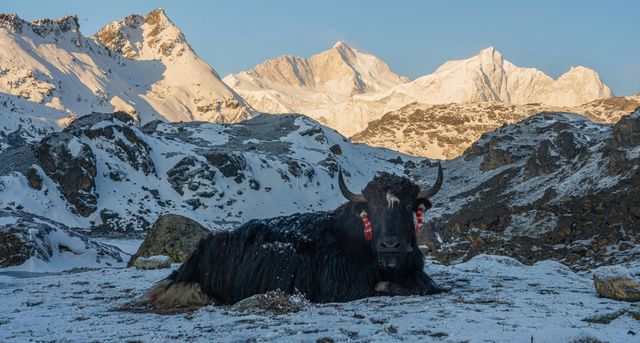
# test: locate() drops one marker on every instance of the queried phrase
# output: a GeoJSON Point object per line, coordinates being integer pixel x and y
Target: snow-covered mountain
{"type": "Point", "coordinates": [106, 174]}
{"type": "Point", "coordinates": [487, 76]}
{"type": "Point", "coordinates": [552, 186]}
{"type": "Point", "coordinates": [325, 86]}
{"type": "Point", "coordinates": [141, 65]}
{"type": "Point", "coordinates": [289, 84]}
{"type": "Point", "coordinates": [445, 131]}
{"type": "Point", "coordinates": [553, 178]}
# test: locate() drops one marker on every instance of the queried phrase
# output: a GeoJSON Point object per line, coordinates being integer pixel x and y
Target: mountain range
{"type": "Point", "coordinates": [346, 89]}
{"type": "Point", "coordinates": [140, 64]}
{"type": "Point", "coordinates": [143, 65]}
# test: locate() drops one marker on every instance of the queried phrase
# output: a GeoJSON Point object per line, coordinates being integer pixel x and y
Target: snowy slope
{"type": "Point", "coordinates": [493, 299]}
{"type": "Point", "coordinates": [125, 176]}
{"type": "Point", "coordinates": [50, 63]}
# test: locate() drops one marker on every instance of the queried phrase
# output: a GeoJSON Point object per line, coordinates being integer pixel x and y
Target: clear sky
{"type": "Point", "coordinates": [413, 37]}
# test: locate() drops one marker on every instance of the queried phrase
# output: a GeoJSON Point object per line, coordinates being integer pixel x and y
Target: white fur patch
{"type": "Point", "coordinates": [391, 200]}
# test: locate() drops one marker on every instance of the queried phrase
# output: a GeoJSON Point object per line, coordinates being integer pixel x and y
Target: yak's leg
{"type": "Point", "coordinates": [418, 283]}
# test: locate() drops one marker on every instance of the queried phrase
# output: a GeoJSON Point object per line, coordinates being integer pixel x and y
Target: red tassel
{"type": "Point", "coordinates": [419, 219]}
{"type": "Point", "coordinates": [368, 232]}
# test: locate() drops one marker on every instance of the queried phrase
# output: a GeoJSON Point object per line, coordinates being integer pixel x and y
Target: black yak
{"type": "Point", "coordinates": [365, 247]}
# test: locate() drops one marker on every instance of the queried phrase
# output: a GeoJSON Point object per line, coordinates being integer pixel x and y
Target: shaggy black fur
{"type": "Point", "coordinates": [322, 255]}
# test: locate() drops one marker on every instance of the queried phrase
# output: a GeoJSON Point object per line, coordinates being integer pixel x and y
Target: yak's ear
{"type": "Point", "coordinates": [425, 202]}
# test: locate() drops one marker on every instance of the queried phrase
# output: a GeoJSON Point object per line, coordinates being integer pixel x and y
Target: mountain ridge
{"type": "Point", "coordinates": [486, 76]}
{"type": "Point", "coordinates": [50, 63]}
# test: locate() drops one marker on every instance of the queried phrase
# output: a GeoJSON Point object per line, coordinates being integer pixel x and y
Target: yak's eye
{"type": "Point", "coordinates": [409, 207]}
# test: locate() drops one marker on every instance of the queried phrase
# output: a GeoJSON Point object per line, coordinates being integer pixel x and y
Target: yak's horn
{"type": "Point", "coordinates": [346, 192]}
{"type": "Point", "coordinates": [435, 188]}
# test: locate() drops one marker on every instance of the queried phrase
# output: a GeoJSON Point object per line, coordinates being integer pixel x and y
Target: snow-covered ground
{"type": "Point", "coordinates": [494, 299]}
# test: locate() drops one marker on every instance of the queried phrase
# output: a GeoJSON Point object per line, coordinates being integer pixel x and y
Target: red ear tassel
{"type": "Point", "coordinates": [419, 218]}
{"type": "Point", "coordinates": [368, 233]}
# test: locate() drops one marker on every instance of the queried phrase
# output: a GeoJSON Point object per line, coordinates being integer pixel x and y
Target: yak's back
{"type": "Point", "coordinates": [300, 229]}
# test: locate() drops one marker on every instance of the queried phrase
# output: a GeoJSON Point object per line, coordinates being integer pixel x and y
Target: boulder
{"type": "Point", "coordinates": [153, 262]}
{"type": "Point", "coordinates": [617, 282]}
{"type": "Point", "coordinates": [172, 235]}
{"type": "Point", "coordinates": [49, 245]}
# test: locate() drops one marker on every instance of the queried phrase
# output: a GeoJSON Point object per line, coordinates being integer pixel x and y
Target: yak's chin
{"type": "Point", "coordinates": [388, 260]}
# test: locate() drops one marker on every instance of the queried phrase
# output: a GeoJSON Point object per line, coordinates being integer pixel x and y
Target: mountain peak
{"type": "Point", "coordinates": [42, 27]}
{"type": "Point", "coordinates": [158, 17]}
{"type": "Point", "coordinates": [489, 53]}
{"type": "Point", "coordinates": [148, 37]}
{"type": "Point", "coordinates": [341, 45]}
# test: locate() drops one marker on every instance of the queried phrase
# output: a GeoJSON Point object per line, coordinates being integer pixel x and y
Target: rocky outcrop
{"type": "Point", "coordinates": [558, 198]}
{"type": "Point", "coordinates": [72, 165]}
{"type": "Point", "coordinates": [172, 235]}
{"type": "Point", "coordinates": [24, 237]}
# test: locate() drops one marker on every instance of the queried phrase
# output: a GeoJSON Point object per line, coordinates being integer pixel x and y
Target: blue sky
{"type": "Point", "coordinates": [413, 37]}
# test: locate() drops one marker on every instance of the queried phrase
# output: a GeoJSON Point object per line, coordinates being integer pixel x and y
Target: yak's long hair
{"type": "Point", "coordinates": [322, 255]}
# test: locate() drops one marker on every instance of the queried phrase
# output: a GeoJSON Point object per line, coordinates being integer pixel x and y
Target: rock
{"type": "Point", "coordinates": [495, 158]}
{"type": "Point", "coordinates": [25, 236]}
{"type": "Point", "coordinates": [336, 149]}
{"type": "Point", "coordinates": [274, 302]}
{"type": "Point", "coordinates": [35, 181]}
{"type": "Point", "coordinates": [617, 282]}
{"type": "Point", "coordinates": [229, 164]}
{"type": "Point", "coordinates": [172, 235]}
{"type": "Point", "coordinates": [626, 132]}
{"type": "Point", "coordinates": [72, 165]}
{"type": "Point", "coordinates": [153, 262]}
{"type": "Point", "coordinates": [542, 162]}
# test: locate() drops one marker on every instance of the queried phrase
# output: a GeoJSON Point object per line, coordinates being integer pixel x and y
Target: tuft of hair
{"type": "Point", "coordinates": [384, 182]}
{"type": "Point", "coordinates": [168, 294]}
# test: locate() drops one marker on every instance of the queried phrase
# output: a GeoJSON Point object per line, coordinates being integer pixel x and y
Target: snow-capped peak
{"type": "Point", "coordinates": [341, 70]}
{"type": "Point", "coordinates": [487, 76]}
{"type": "Point", "coordinates": [153, 36]}
{"type": "Point", "coordinates": [340, 44]}
{"type": "Point", "coordinates": [140, 64]}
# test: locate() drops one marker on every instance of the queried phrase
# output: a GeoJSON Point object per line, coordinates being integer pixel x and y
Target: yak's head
{"type": "Point", "coordinates": [391, 204]}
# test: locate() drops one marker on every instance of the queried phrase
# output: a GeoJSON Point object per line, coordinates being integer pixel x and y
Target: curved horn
{"type": "Point", "coordinates": [435, 188]}
{"type": "Point", "coordinates": [346, 192]}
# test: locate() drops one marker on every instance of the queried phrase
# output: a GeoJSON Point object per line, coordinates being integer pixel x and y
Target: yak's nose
{"type": "Point", "coordinates": [390, 244]}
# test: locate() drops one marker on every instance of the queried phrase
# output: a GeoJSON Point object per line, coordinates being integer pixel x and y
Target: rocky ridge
{"type": "Point", "coordinates": [445, 131]}
{"type": "Point", "coordinates": [553, 186]}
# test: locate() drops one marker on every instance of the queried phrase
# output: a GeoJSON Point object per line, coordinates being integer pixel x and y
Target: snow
{"type": "Point", "coordinates": [609, 273]}
{"type": "Point", "coordinates": [8, 220]}
{"type": "Point", "coordinates": [75, 147]}
{"type": "Point", "coordinates": [492, 299]}
{"type": "Point", "coordinates": [65, 251]}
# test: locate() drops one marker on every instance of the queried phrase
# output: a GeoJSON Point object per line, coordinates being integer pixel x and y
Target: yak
{"type": "Point", "coordinates": [366, 247]}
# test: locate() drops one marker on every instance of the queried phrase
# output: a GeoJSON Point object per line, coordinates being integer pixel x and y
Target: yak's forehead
{"type": "Point", "coordinates": [385, 185]}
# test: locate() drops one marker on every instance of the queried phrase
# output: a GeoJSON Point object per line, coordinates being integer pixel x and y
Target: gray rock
{"type": "Point", "coordinates": [616, 282]}
{"type": "Point", "coordinates": [24, 236]}
{"type": "Point", "coordinates": [172, 235]}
